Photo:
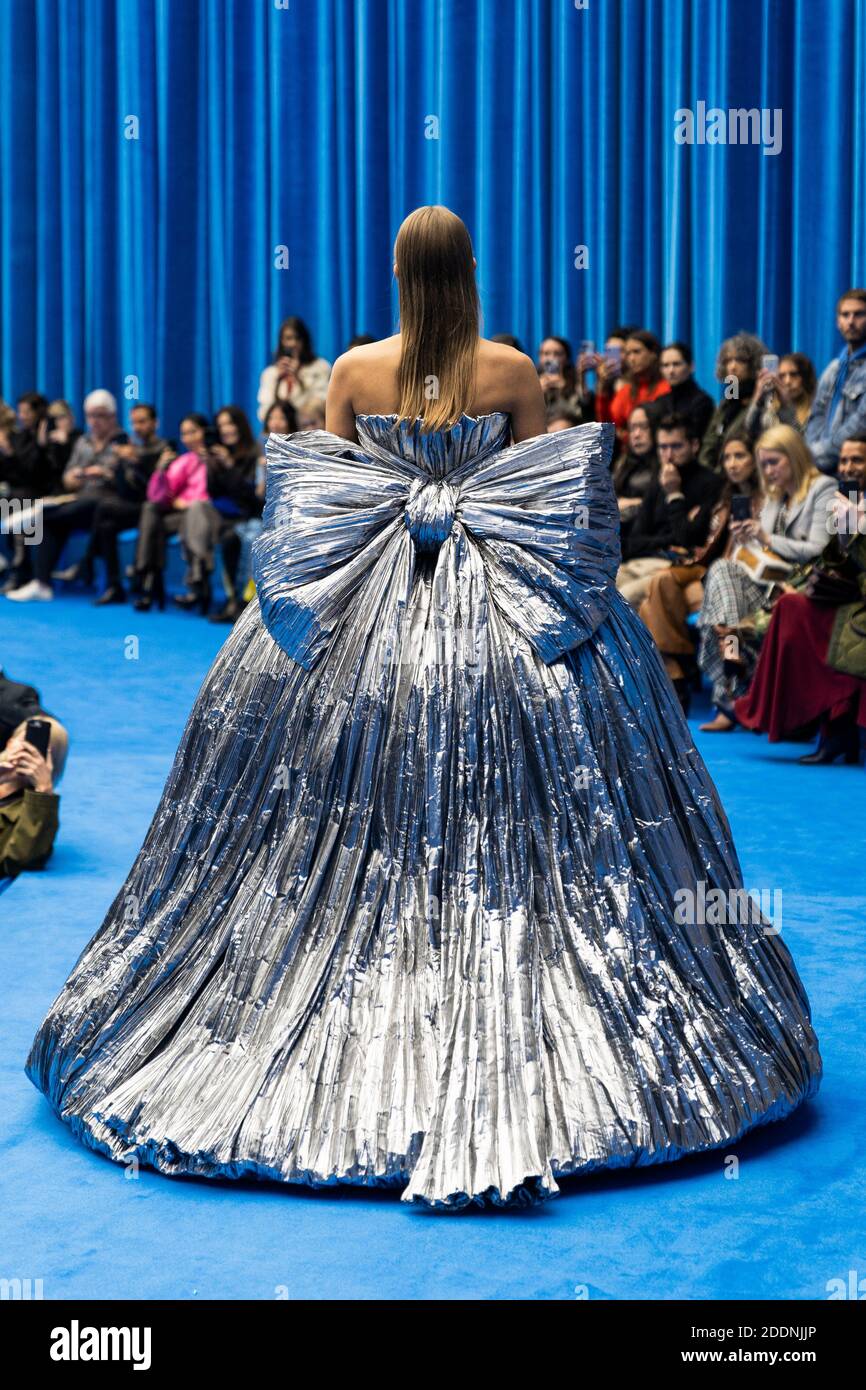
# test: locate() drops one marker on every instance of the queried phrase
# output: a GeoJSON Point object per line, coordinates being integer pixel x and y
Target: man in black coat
{"type": "Point", "coordinates": [674, 517]}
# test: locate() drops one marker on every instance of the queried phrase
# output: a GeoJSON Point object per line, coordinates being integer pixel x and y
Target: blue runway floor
{"type": "Point", "coordinates": [791, 1222]}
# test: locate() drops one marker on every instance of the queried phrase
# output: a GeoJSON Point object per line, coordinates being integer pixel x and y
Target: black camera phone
{"type": "Point", "coordinates": [39, 734]}
{"type": "Point", "coordinates": [741, 507]}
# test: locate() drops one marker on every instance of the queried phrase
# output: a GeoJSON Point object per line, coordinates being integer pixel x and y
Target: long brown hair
{"type": "Point", "coordinates": [439, 317]}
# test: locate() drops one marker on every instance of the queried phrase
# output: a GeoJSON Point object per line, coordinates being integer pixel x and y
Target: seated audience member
{"type": "Point", "coordinates": [122, 512]}
{"type": "Point", "coordinates": [792, 527]}
{"type": "Point", "coordinates": [29, 803]}
{"type": "Point", "coordinates": [812, 665]}
{"type": "Point", "coordinates": [677, 592]}
{"type": "Point", "coordinates": [23, 478]}
{"type": "Point", "coordinates": [677, 366]}
{"type": "Point", "coordinates": [770, 405]}
{"type": "Point", "coordinates": [644, 382]}
{"type": "Point", "coordinates": [176, 483]}
{"type": "Point", "coordinates": [312, 416]}
{"type": "Point", "coordinates": [231, 486]}
{"type": "Point", "coordinates": [560, 381]}
{"type": "Point", "coordinates": [296, 374]}
{"type": "Point", "coordinates": [839, 408]}
{"type": "Point", "coordinates": [738, 364]}
{"type": "Point", "coordinates": [674, 516]}
{"type": "Point", "coordinates": [782, 398]}
{"type": "Point", "coordinates": [90, 476]}
{"type": "Point", "coordinates": [32, 410]}
{"type": "Point", "coordinates": [636, 469]}
{"type": "Point", "coordinates": [609, 365]}
{"type": "Point", "coordinates": [58, 435]}
{"type": "Point", "coordinates": [558, 417]}
{"type": "Point", "coordinates": [280, 419]}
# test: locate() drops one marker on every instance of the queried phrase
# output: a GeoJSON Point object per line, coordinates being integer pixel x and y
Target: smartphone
{"type": "Point", "coordinates": [550, 366]}
{"type": "Point", "coordinates": [613, 355]}
{"type": "Point", "coordinates": [587, 348]}
{"type": "Point", "coordinates": [770, 363]}
{"type": "Point", "coordinates": [741, 507]}
{"type": "Point", "coordinates": [39, 734]}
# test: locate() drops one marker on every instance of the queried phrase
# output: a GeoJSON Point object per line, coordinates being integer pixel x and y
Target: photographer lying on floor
{"type": "Point", "coordinates": [29, 805]}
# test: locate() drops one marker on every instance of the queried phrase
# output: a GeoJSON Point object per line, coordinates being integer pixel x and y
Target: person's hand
{"type": "Point", "coordinates": [166, 458]}
{"type": "Point", "coordinates": [61, 431]}
{"type": "Point", "coordinates": [178, 505]}
{"type": "Point", "coordinates": [23, 760]}
{"type": "Point", "coordinates": [219, 451]}
{"type": "Point", "coordinates": [766, 383]}
{"type": "Point", "coordinates": [628, 504]}
{"type": "Point", "coordinates": [552, 381]}
{"type": "Point", "coordinates": [669, 478]}
{"type": "Point", "coordinates": [5, 442]}
{"type": "Point", "coordinates": [608, 371]}
{"type": "Point", "coordinates": [96, 470]}
{"type": "Point", "coordinates": [42, 432]}
{"type": "Point", "coordinates": [127, 452]}
{"type": "Point", "coordinates": [846, 514]}
{"type": "Point", "coordinates": [286, 367]}
{"type": "Point", "coordinates": [588, 362]}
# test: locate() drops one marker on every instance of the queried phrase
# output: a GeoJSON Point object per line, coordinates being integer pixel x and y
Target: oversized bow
{"type": "Point", "coordinates": [343, 525]}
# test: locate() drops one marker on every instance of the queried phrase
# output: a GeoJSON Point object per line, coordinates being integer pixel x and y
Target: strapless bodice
{"type": "Point", "coordinates": [438, 452]}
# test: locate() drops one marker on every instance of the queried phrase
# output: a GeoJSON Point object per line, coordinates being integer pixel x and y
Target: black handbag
{"type": "Point", "coordinates": [833, 579]}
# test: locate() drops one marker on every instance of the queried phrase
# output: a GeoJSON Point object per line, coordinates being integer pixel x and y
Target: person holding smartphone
{"type": "Point", "coordinates": [812, 667]}
{"type": "Point", "coordinates": [31, 763]}
{"type": "Point", "coordinates": [676, 593]}
{"type": "Point", "coordinates": [296, 374]}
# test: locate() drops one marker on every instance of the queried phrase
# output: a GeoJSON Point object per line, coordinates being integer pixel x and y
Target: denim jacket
{"type": "Point", "coordinates": [850, 417]}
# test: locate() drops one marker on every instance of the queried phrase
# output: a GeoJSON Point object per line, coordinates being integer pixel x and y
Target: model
{"type": "Point", "coordinates": [414, 906]}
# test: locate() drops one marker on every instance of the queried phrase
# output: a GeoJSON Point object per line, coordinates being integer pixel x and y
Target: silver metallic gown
{"type": "Point", "coordinates": [406, 911]}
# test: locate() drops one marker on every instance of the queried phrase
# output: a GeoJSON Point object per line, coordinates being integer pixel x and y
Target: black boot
{"type": "Point", "coordinates": [151, 590]}
{"type": "Point", "coordinates": [839, 739]}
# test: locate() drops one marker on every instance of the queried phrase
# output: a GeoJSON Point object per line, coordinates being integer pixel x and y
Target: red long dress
{"type": "Point", "coordinates": [793, 685]}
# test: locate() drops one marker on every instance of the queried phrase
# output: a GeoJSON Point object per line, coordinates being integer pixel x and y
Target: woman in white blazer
{"type": "Point", "coordinates": [794, 524]}
{"type": "Point", "coordinates": [296, 374]}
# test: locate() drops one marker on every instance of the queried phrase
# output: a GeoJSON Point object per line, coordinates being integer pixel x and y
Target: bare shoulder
{"type": "Point", "coordinates": [362, 378]}
{"type": "Point", "coordinates": [366, 355]}
{"type": "Point", "coordinates": [508, 380]}
{"type": "Point", "coordinates": [510, 372]}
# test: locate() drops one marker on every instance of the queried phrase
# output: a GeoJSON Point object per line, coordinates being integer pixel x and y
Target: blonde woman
{"type": "Point", "coordinates": [793, 524]}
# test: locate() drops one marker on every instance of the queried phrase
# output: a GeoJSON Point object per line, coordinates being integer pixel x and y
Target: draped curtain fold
{"type": "Point", "coordinates": [156, 156]}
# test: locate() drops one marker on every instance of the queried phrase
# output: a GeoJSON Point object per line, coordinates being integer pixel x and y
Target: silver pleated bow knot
{"type": "Point", "coordinates": [429, 513]}
{"type": "Point", "coordinates": [532, 528]}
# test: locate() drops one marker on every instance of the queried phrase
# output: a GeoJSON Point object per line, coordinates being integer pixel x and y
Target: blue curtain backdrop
{"type": "Point", "coordinates": [319, 124]}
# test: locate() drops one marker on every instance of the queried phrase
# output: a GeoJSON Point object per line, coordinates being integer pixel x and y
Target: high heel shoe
{"type": "Point", "coordinates": [834, 744]}
{"type": "Point", "coordinates": [198, 597]}
{"type": "Point", "coordinates": [152, 589]}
